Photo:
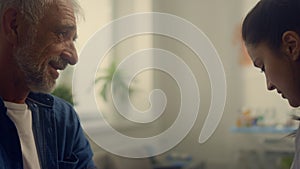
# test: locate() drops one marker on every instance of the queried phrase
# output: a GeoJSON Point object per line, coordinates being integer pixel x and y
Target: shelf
{"type": "Point", "coordinates": [256, 129]}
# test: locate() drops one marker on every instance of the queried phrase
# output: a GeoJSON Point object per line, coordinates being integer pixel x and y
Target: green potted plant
{"type": "Point", "coordinates": [64, 92]}
{"type": "Point", "coordinates": [105, 80]}
{"type": "Point", "coordinates": [120, 88]}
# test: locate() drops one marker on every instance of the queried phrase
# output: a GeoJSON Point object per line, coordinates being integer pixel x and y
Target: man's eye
{"type": "Point", "coordinates": [61, 35]}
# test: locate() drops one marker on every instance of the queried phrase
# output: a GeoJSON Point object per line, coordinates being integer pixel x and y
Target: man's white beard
{"type": "Point", "coordinates": [36, 77]}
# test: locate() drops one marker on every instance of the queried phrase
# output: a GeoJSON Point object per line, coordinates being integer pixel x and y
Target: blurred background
{"type": "Point", "coordinates": [253, 131]}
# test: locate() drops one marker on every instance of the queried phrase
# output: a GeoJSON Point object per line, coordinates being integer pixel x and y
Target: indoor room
{"type": "Point", "coordinates": [168, 84]}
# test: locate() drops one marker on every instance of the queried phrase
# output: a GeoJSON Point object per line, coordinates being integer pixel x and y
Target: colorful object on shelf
{"type": "Point", "coordinates": [268, 117]}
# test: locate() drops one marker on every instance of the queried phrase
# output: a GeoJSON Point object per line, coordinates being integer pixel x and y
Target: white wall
{"type": "Point", "coordinates": [218, 20]}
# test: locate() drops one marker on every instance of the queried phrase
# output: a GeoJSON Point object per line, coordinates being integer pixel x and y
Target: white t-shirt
{"type": "Point", "coordinates": [22, 118]}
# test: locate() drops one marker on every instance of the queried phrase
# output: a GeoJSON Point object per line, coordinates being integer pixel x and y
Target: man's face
{"type": "Point", "coordinates": [47, 47]}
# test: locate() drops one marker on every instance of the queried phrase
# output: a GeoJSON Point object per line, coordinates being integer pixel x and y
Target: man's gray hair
{"type": "Point", "coordinates": [34, 10]}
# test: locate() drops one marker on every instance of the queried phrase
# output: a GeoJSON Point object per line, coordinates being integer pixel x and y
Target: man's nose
{"type": "Point", "coordinates": [70, 54]}
{"type": "Point", "coordinates": [270, 85]}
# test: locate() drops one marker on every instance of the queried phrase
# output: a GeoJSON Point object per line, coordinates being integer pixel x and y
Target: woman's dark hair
{"type": "Point", "coordinates": [269, 19]}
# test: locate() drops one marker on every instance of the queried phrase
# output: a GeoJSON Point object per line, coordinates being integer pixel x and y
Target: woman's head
{"type": "Point", "coordinates": [269, 19]}
{"type": "Point", "coordinates": [271, 34]}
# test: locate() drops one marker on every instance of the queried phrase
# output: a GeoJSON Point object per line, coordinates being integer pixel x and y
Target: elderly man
{"type": "Point", "coordinates": [38, 130]}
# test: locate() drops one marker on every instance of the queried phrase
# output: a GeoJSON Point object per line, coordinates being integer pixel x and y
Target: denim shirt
{"type": "Point", "coordinates": [59, 138]}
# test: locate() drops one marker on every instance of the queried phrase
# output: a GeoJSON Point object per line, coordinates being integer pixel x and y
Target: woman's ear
{"type": "Point", "coordinates": [291, 44]}
{"type": "Point", "coordinates": [10, 25]}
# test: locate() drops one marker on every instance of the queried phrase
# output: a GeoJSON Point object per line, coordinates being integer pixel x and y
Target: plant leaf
{"type": "Point", "coordinates": [104, 92]}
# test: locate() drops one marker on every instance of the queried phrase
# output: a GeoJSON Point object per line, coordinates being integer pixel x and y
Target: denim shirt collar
{"type": "Point", "coordinates": [41, 99]}
{"type": "Point", "coordinates": [38, 98]}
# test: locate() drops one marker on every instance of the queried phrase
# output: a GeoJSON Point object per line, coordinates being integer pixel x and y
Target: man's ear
{"type": "Point", "coordinates": [10, 25]}
{"type": "Point", "coordinates": [291, 44]}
